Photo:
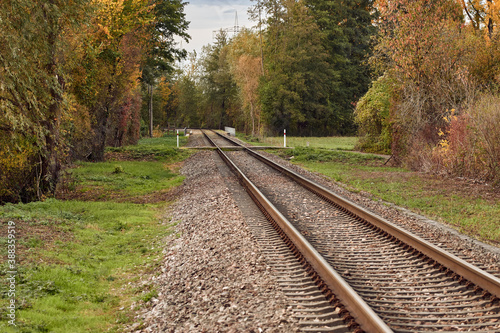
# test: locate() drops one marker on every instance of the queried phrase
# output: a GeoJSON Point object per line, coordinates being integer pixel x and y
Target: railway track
{"type": "Point", "coordinates": [386, 277]}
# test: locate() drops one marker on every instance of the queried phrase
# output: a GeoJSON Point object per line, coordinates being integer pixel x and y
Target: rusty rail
{"type": "Point", "coordinates": [362, 312]}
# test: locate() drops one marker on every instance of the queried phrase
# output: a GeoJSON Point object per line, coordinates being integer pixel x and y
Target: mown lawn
{"type": "Point", "coordinates": [471, 208]}
{"type": "Point", "coordinates": [81, 256]}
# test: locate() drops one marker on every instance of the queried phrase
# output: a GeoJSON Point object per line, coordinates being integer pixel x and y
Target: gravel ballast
{"type": "Point", "coordinates": [436, 232]}
{"type": "Point", "coordinates": [214, 277]}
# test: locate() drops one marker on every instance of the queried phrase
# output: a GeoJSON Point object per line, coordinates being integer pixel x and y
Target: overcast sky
{"type": "Point", "coordinates": [209, 15]}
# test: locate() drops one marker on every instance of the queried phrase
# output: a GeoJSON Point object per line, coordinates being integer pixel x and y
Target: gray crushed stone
{"type": "Point", "coordinates": [434, 231]}
{"type": "Point", "coordinates": [214, 277]}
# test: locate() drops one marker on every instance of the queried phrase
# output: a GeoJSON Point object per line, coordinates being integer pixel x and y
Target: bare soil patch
{"type": "Point", "coordinates": [83, 193]}
{"type": "Point", "coordinates": [33, 237]}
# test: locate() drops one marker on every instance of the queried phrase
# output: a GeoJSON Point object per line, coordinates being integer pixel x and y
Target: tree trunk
{"type": "Point", "coordinates": [253, 118]}
{"type": "Point", "coordinates": [101, 134]}
{"type": "Point", "coordinates": [490, 20]}
{"type": "Point", "coordinates": [50, 159]}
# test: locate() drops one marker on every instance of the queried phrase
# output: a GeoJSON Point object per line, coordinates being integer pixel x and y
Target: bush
{"type": "Point", "coordinates": [470, 145]}
{"type": "Point", "coordinates": [17, 172]}
{"type": "Point", "coordinates": [372, 115]}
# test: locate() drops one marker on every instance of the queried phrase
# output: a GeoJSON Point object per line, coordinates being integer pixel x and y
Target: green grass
{"type": "Point", "coordinates": [161, 149]}
{"type": "Point", "coordinates": [134, 177]}
{"type": "Point", "coordinates": [303, 154]}
{"type": "Point", "coordinates": [74, 290]}
{"type": "Point", "coordinates": [437, 198]}
{"type": "Point", "coordinates": [337, 143]}
{"type": "Point", "coordinates": [80, 261]}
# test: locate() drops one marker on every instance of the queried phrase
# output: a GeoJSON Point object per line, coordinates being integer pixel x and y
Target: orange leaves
{"type": "Point", "coordinates": [482, 15]}
{"type": "Point", "coordinates": [416, 35]}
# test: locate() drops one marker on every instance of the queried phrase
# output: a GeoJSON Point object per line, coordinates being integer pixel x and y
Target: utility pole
{"type": "Point", "coordinates": [150, 90]}
{"type": "Point", "coordinates": [261, 43]}
{"type": "Point", "coordinates": [234, 29]}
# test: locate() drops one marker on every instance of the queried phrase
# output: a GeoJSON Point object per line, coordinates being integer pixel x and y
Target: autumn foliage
{"type": "Point", "coordinates": [441, 58]}
{"type": "Point", "coordinates": [70, 76]}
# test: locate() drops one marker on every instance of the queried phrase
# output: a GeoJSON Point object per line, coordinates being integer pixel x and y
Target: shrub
{"type": "Point", "coordinates": [485, 121]}
{"type": "Point", "coordinates": [118, 169]}
{"type": "Point", "coordinates": [372, 115]}
{"type": "Point", "coordinates": [17, 172]}
{"type": "Point", "coordinates": [470, 145]}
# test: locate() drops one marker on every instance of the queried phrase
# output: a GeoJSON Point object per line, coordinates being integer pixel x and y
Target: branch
{"type": "Point", "coordinates": [5, 128]}
{"type": "Point", "coordinates": [9, 100]}
{"type": "Point", "coordinates": [467, 12]}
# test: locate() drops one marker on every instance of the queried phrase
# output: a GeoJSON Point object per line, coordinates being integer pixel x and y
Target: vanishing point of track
{"type": "Point", "coordinates": [387, 278]}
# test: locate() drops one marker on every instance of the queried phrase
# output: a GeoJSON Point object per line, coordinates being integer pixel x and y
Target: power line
{"type": "Point", "coordinates": [234, 29]}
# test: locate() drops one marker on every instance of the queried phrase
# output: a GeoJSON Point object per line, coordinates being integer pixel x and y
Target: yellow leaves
{"type": "Point", "coordinates": [105, 30]}
{"type": "Point", "coordinates": [445, 144]}
{"type": "Point", "coordinates": [449, 117]}
{"type": "Point", "coordinates": [115, 18]}
{"type": "Point", "coordinates": [16, 160]}
{"type": "Point", "coordinates": [482, 15]}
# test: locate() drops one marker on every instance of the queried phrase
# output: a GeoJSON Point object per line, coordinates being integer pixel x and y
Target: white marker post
{"type": "Point", "coordinates": [177, 138]}
{"type": "Point", "coordinates": [284, 138]}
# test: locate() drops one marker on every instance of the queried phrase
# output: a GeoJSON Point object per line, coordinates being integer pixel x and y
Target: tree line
{"type": "Point", "coordinates": [303, 67]}
{"type": "Point", "coordinates": [71, 73]}
{"type": "Point", "coordinates": [418, 79]}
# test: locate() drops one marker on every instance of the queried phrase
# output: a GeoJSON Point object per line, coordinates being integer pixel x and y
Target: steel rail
{"type": "Point", "coordinates": [479, 277]}
{"type": "Point", "coordinates": [364, 315]}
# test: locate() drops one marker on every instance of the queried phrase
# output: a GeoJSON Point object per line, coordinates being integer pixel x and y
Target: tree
{"type": "Point", "coordinates": [218, 84]}
{"type": "Point", "coordinates": [424, 54]}
{"type": "Point", "coordinates": [294, 89]}
{"type": "Point", "coordinates": [482, 14]}
{"type": "Point", "coordinates": [347, 33]}
{"type": "Point", "coordinates": [36, 38]}
{"type": "Point", "coordinates": [113, 52]}
{"type": "Point", "coordinates": [170, 21]}
{"type": "Point", "coordinates": [246, 63]}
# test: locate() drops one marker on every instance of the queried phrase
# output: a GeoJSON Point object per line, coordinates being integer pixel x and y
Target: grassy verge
{"type": "Point", "coordinates": [337, 143]}
{"type": "Point", "coordinates": [473, 209]}
{"type": "Point", "coordinates": [80, 258]}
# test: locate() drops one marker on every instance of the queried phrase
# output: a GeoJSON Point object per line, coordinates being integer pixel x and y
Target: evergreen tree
{"type": "Point", "coordinates": [294, 89]}
{"type": "Point", "coordinates": [347, 28]}
{"type": "Point", "coordinates": [218, 84]}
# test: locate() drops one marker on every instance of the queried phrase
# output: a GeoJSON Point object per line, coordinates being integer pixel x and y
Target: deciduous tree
{"type": "Point", "coordinates": [34, 58]}
{"type": "Point", "coordinates": [246, 66]}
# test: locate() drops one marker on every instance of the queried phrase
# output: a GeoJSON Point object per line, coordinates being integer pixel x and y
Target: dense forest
{"type": "Point", "coordinates": [71, 81]}
{"type": "Point", "coordinates": [415, 78]}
